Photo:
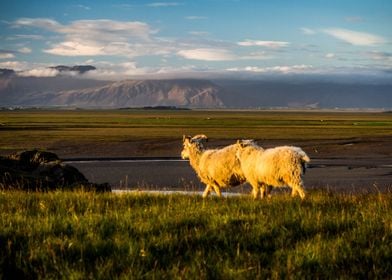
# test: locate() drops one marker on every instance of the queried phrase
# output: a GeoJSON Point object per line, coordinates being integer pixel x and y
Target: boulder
{"type": "Point", "coordinates": [42, 171]}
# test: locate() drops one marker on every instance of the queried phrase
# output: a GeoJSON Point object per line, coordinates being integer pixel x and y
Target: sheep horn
{"type": "Point", "coordinates": [199, 138]}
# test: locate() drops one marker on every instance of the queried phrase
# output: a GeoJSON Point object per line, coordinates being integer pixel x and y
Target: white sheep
{"type": "Point", "coordinates": [217, 168]}
{"type": "Point", "coordinates": [276, 167]}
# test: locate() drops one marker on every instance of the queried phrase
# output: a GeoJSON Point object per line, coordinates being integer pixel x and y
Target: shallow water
{"type": "Point", "coordinates": [177, 175]}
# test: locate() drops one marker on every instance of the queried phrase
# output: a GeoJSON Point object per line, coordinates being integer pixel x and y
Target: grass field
{"type": "Point", "coordinates": [77, 235]}
{"type": "Point", "coordinates": [44, 128]}
{"type": "Point", "coordinates": [81, 235]}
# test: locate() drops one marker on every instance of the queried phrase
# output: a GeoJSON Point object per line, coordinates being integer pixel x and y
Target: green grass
{"type": "Point", "coordinates": [78, 235]}
{"type": "Point", "coordinates": [43, 128]}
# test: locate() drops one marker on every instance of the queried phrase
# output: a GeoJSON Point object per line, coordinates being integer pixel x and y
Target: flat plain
{"type": "Point", "coordinates": [95, 133]}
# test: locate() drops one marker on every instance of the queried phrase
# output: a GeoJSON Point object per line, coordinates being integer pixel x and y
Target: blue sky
{"type": "Point", "coordinates": [192, 38]}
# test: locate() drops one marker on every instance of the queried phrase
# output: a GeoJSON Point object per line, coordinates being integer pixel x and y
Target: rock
{"type": "Point", "coordinates": [42, 171]}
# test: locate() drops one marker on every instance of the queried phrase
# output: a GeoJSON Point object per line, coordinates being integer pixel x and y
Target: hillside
{"type": "Point", "coordinates": [297, 92]}
{"type": "Point", "coordinates": [139, 93]}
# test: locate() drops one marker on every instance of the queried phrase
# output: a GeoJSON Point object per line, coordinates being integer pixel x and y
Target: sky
{"type": "Point", "coordinates": [126, 39]}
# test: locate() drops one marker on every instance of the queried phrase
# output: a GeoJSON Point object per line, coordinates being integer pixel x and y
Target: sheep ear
{"type": "Point", "coordinates": [186, 137]}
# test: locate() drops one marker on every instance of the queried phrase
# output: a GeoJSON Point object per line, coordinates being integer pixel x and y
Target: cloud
{"type": "Point", "coordinates": [383, 58]}
{"type": "Point", "coordinates": [207, 54]}
{"type": "Point", "coordinates": [330, 55]}
{"type": "Point", "coordinates": [163, 4]}
{"type": "Point", "coordinates": [24, 50]}
{"type": "Point", "coordinates": [39, 72]}
{"type": "Point", "coordinates": [97, 37]}
{"type": "Point", "coordinates": [267, 44]}
{"type": "Point", "coordinates": [72, 48]}
{"type": "Point", "coordinates": [6, 55]}
{"type": "Point", "coordinates": [195, 17]}
{"type": "Point", "coordinates": [83, 7]}
{"type": "Point", "coordinates": [354, 19]}
{"type": "Point", "coordinates": [199, 33]}
{"type": "Point", "coordinates": [26, 37]}
{"type": "Point", "coordinates": [307, 31]}
{"type": "Point", "coordinates": [274, 69]}
{"type": "Point", "coordinates": [44, 23]}
{"type": "Point", "coordinates": [15, 65]}
{"type": "Point", "coordinates": [354, 37]}
{"type": "Point", "coordinates": [256, 56]}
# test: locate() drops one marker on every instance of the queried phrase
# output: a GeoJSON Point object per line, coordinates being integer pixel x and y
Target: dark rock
{"type": "Point", "coordinates": [42, 171]}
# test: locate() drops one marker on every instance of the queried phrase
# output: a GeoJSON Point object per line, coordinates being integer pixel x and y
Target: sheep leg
{"type": "Point", "coordinates": [268, 190]}
{"type": "Point", "coordinates": [255, 193]}
{"type": "Point", "coordinates": [298, 189]}
{"type": "Point", "coordinates": [217, 190]}
{"type": "Point", "coordinates": [255, 189]}
{"type": "Point", "coordinates": [207, 191]}
{"type": "Point", "coordinates": [265, 191]}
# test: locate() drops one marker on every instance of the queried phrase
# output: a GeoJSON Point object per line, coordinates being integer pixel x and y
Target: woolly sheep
{"type": "Point", "coordinates": [217, 168]}
{"type": "Point", "coordinates": [277, 167]}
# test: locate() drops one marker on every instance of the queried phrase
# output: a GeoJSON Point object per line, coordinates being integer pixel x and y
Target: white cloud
{"type": "Point", "coordinates": [87, 8]}
{"type": "Point", "coordinates": [330, 55]}
{"type": "Point", "coordinates": [267, 44]}
{"type": "Point", "coordinates": [163, 4]}
{"type": "Point", "coordinates": [207, 54]}
{"type": "Point", "coordinates": [274, 69]}
{"type": "Point", "coordinates": [26, 37]}
{"type": "Point", "coordinates": [39, 72]}
{"type": "Point", "coordinates": [71, 48]}
{"type": "Point", "coordinates": [24, 50]}
{"type": "Point", "coordinates": [256, 56]}
{"type": "Point", "coordinates": [195, 17]}
{"type": "Point", "coordinates": [99, 37]}
{"type": "Point", "coordinates": [44, 23]}
{"type": "Point", "coordinates": [6, 55]}
{"type": "Point", "coordinates": [307, 31]}
{"type": "Point", "coordinates": [354, 19]}
{"type": "Point", "coordinates": [199, 33]}
{"type": "Point", "coordinates": [354, 37]}
{"type": "Point", "coordinates": [15, 65]}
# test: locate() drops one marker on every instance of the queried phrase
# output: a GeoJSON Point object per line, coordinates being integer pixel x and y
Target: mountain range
{"type": "Point", "coordinates": [288, 92]}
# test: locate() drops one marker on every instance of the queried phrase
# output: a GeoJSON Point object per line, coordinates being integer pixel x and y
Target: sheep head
{"type": "Point", "coordinates": [245, 143]}
{"type": "Point", "coordinates": [241, 145]}
{"type": "Point", "coordinates": [190, 143]}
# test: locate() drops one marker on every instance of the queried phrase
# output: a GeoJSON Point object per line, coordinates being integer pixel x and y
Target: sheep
{"type": "Point", "coordinates": [275, 167]}
{"type": "Point", "coordinates": [217, 168]}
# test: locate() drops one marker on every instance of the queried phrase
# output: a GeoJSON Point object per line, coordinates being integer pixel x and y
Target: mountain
{"type": "Point", "coordinates": [129, 93]}
{"type": "Point", "coordinates": [140, 93]}
{"type": "Point", "coordinates": [81, 69]}
{"type": "Point", "coordinates": [293, 92]}
{"type": "Point", "coordinates": [5, 73]}
{"type": "Point", "coordinates": [305, 94]}
{"type": "Point", "coordinates": [21, 91]}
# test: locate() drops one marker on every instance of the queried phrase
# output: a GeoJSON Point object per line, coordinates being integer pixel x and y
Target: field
{"type": "Point", "coordinates": [159, 133]}
{"type": "Point", "coordinates": [76, 235]}
{"type": "Point", "coordinates": [79, 235]}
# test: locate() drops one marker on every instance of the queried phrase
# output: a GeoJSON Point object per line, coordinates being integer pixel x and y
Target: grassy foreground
{"type": "Point", "coordinates": [78, 235]}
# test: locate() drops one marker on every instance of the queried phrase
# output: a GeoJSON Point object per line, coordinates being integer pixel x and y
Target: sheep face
{"type": "Point", "coordinates": [190, 143]}
{"type": "Point", "coordinates": [242, 144]}
{"type": "Point", "coordinates": [187, 145]}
